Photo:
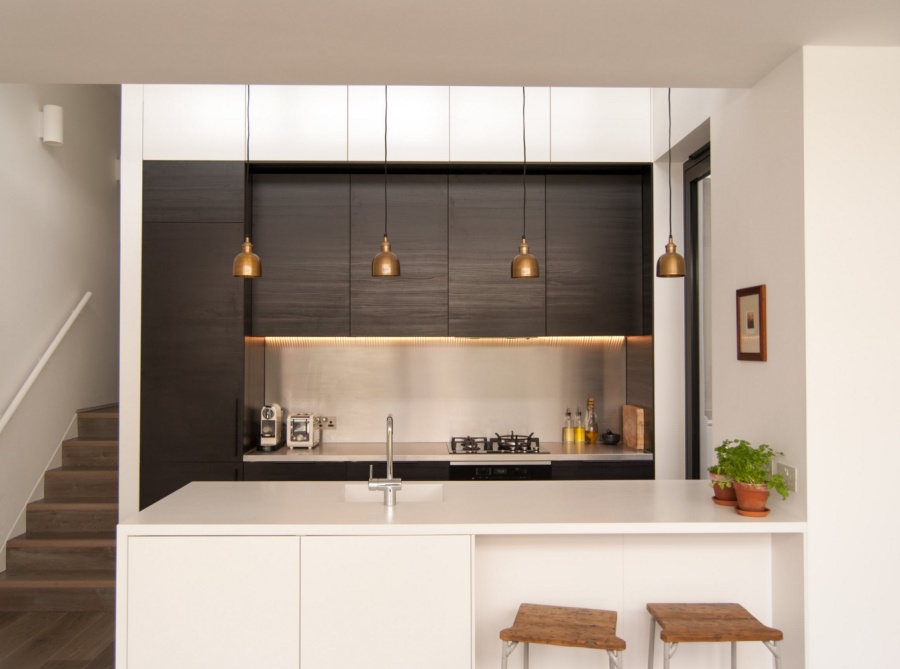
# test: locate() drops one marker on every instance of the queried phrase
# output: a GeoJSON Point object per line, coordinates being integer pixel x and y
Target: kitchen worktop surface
{"type": "Point", "coordinates": [436, 451]}
{"type": "Point", "coordinates": [454, 507]}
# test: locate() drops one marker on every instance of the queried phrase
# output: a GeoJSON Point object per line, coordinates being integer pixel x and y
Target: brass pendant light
{"type": "Point", "coordinates": [246, 263]}
{"type": "Point", "coordinates": [670, 264]}
{"type": "Point", "coordinates": [385, 262]}
{"type": "Point", "coordinates": [524, 265]}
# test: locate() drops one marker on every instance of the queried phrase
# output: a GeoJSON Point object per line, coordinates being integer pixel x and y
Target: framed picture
{"type": "Point", "coordinates": [751, 323]}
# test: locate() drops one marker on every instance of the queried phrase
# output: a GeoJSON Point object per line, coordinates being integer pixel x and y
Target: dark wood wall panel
{"type": "Point", "coordinates": [301, 230]}
{"type": "Point", "coordinates": [194, 192]}
{"type": "Point", "coordinates": [485, 231]}
{"type": "Point", "coordinates": [639, 380]}
{"type": "Point", "coordinates": [415, 303]}
{"type": "Point", "coordinates": [159, 479]}
{"type": "Point", "coordinates": [599, 292]}
{"type": "Point", "coordinates": [192, 343]}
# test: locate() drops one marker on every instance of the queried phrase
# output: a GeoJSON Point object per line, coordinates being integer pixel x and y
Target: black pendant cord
{"type": "Point", "coordinates": [524, 165]}
{"type": "Point", "coordinates": [670, 163]}
{"type": "Point", "coordinates": [385, 157]}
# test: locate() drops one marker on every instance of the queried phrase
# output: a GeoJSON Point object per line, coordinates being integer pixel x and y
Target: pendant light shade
{"type": "Point", "coordinates": [385, 262]}
{"type": "Point", "coordinates": [524, 265]}
{"type": "Point", "coordinates": [246, 263]}
{"type": "Point", "coordinates": [670, 264]}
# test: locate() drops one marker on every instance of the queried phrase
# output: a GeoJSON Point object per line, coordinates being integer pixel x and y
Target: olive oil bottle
{"type": "Point", "coordinates": [579, 426]}
{"type": "Point", "coordinates": [568, 433]}
{"type": "Point", "coordinates": [591, 429]}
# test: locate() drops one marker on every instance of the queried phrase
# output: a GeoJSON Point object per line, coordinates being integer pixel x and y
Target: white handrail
{"type": "Point", "coordinates": [17, 400]}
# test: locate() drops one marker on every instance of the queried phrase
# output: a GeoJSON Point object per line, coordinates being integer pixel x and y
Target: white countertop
{"type": "Point", "coordinates": [437, 451]}
{"type": "Point", "coordinates": [466, 507]}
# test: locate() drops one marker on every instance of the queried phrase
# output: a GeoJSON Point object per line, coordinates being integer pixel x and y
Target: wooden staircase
{"type": "Point", "coordinates": [66, 560]}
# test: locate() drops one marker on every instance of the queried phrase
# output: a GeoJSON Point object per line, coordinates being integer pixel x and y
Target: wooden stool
{"type": "Point", "coordinates": [563, 626]}
{"type": "Point", "coordinates": [709, 622]}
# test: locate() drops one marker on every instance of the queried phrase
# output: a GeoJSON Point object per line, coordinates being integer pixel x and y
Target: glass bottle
{"type": "Point", "coordinates": [568, 429]}
{"type": "Point", "coordinates": [579, 426]}
{"type": "Point", "coordinates": [591, 428]}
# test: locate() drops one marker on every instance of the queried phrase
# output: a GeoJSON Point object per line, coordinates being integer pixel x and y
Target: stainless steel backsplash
{"type": "Point", "coordinates": [438, 388]}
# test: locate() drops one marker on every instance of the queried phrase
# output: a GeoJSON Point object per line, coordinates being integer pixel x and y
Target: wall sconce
{"type": "Point", "coordinates": [52, 125]}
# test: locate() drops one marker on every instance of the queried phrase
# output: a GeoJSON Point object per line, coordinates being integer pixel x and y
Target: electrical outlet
{"type": "Point", "coordinates": [326, 422]}
{"type": "Point", "coordinates": [789, 474]}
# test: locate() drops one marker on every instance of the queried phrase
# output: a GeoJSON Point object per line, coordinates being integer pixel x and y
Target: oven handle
{"type": "Point", "coordinates": [511, 463]}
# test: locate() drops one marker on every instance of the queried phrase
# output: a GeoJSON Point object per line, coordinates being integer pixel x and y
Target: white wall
{"type": "Point", "coordinates": [60, 239]}
{"type": "Point", "coordinates": [852, 140]}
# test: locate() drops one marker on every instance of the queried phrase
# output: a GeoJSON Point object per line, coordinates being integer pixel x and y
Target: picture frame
{"type": "Point", "coordinates": [751, 323]}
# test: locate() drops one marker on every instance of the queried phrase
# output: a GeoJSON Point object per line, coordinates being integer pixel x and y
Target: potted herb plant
{"type": "Point", "coordinates": [720, 479]}
{"type": "Point", "coordinates": [751, 469]}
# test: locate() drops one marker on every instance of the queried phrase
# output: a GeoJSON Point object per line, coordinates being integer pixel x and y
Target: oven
{"type": "Point", "coordinates": [500, 471]}
{"type": "Point", "coordinates": [510, 457]}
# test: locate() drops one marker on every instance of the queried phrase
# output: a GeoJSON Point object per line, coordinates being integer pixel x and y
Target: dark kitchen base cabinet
{"type": "Point", "coordinates": [407, 471]}
{"type": "Point", "coordinates": [603, 471]}
{"type": "Point", "coordinates": [295, 471]}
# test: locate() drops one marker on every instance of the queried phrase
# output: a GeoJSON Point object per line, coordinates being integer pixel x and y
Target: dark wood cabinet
{"type": "Point", "coordinates": [485, 231]}
{"type": "Point", "coordinates": [595, 245]}
{"type": "Point", "coordinates": [301, 231]}
{"type": "Point", "coordinates": [579, 470]}
{"type": "Point", "coordinates": [413, 304]}
{"type": "Point", "coordinates": [295, 471]}
{"type": "Point", "coordinates": [407, 471]}
{"type": "Point", "coordinates": [195, 414]}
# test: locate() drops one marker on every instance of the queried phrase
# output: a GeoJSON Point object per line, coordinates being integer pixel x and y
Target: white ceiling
{"type": "Point", "coordinates": [679, 43]}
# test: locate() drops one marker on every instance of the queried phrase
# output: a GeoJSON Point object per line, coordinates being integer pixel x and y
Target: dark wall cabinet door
{"type": "Point", "coordinates": [295, 471]}
{"type": "Point", "coordinates": [595, 268]}
{"type": "Point", "coordinates": [301, 231]}
{"type": "Point", "coordinates": [413, 304]}
{"type": "Point", "coordinates": [593, 470]}
{"type": "Point", "coordinates": [192, 325]}
{"type": "Point", "coordinates": [486, 217]}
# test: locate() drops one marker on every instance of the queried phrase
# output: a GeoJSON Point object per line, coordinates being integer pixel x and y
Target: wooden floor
{"type": "Point", "coordinates": [56, 640]}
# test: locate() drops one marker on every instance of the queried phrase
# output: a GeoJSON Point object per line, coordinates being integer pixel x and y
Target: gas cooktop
{"type": "Point", "coordinates": [513, 444]}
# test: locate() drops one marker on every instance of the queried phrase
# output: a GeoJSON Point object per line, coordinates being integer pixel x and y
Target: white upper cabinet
{"type": "Point", "coordinates": [187, 122]}
{"type": "Point", "coordinates": [418, 122]}
{"type": "Point", "coordinates": [365, 123]}
{"type": "Point", "coordinates": [290, 123]}
{"type": "Point", "coordinates": [486, 124]}
{"type": "Point", "coordinates": [603, 125]}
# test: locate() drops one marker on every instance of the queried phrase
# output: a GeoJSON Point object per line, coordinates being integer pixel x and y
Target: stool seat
{"type": "Point", "coordinates": [709, 622]}
{"type": "Point", "coordinates": [565, 626]}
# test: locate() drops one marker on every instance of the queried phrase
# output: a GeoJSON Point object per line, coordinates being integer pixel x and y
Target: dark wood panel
{"type": "Point", "coordinates": [159, 479]}
{"type": "Point", "coordinates": [639, 380]}
{"type": "Point", "coordinates": [295, 471]}
{"type": "Point", "coordinates": [192, 343]}
{"type": "Point", "coordinates": [594, 255]}
{"type": "Point", "coordinates": [194, 192]}
{"type": "Point", "coordinates": [301, 230]}
{"type": "Point", "coordinates": [485, 231]}
{"type": "Point", "coordinates": [413, 304]}
{"type": "Point", "coordinates": [580, 470]}
{"type": "Point", "coordinates": [407, 471]}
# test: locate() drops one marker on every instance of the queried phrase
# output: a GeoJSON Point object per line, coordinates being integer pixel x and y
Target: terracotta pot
{"type": "Point", "coordinates": [752, 497]}
{"type": "Point", "coordinates": [722, 495]}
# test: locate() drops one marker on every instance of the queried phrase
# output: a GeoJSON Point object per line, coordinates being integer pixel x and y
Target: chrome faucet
{"type": "Point", "coordinates": [389, 484]}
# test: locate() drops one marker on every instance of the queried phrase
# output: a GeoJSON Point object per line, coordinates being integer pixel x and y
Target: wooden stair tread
{"type": "Point", "coordinates": [111, 410]}
{"type": "Point", "coordinates": [108, 472]}
{"type": "Point", "coordinates": [63, 539]}
{"type": "Point", "coordinates": [75, 504]}
{"type": "Point", "coordinates": [90, 441]}
{"type": "Point", "coordinates": [104, 578]}
{"type": "Point", "coordinates": [710, 622]}
{"type": "Point", "coordinates": [565, 626]}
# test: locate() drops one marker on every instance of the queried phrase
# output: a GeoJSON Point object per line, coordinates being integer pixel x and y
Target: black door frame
{"type": "Point", "coordinates": [697, 167]}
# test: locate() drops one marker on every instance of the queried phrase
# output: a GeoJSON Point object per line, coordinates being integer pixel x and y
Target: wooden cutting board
{"type": "Point", "coordinates": [633, 426]}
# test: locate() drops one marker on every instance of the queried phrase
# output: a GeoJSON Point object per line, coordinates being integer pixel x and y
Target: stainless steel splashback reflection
{"type": "Point", "coordinates": [438, 387]}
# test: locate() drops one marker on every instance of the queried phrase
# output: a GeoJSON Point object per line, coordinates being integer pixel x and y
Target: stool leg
{"type": "Point", "coordinates": [775, 648]}
{"type": "Point", "coordinates": [652, 639]}
{"type": "Point", "coordinates": [525, 661]}
{"type": "Point", "coordinates": [733, 655]}
{"type": "Point", "coordinates": [668, 651]}
{"type": "Point", "coordinates": [507, 648]}
{"type": "Point", "coordinates": [616, 659]}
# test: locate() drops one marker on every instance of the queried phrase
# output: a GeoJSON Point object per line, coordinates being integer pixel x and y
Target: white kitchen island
{"type": "Point", "coordinates": [322, 575]}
